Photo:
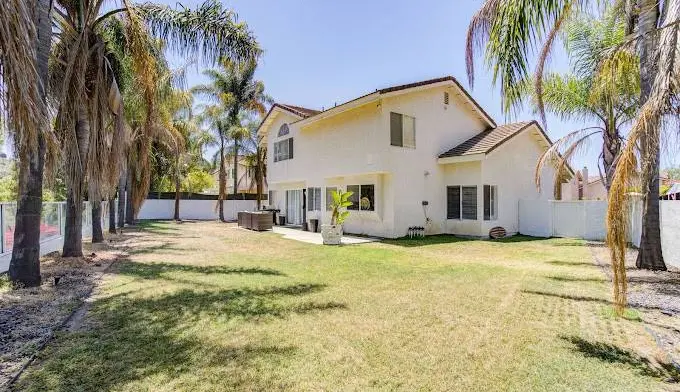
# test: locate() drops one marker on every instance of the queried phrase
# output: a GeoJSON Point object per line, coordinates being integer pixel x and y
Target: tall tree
{"type": "Point", "coordinates": [25, 34]}
{"type": "Point", "coordinates": [595, 92]}
{"type": "Point", "coordinates": [511, 29]}
{"type": "Point", "coordinates": [216, 119]}
{"type": "Point", "coordinates": [234, 86]}
{"type": "Point", "coordinates": [87, 81]}
{"type": "Point", "coordinates": [255, 159]}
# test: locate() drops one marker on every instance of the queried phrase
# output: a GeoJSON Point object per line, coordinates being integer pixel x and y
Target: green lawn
{"type": "Point", "coordinates": [207, 306]}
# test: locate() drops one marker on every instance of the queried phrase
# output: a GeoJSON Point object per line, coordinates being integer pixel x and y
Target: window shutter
{"type": "Point", "coordinates": [469, 202]}
{"type": "Point", "coordinates": [396, 129]}
{"type": "Point", "coordinates": [487, 202]}
{"type": "Point", "coordinates": [452, 202]}
{"type": "Point", "coordinates": [290, 148]}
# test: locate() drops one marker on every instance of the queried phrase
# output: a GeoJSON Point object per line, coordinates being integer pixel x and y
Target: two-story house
{"type": "Point", "coordinates": [421, 154]}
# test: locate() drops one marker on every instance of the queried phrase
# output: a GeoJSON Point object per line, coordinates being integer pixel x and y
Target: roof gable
{"type": "Point", "coordinates": [487, 141]}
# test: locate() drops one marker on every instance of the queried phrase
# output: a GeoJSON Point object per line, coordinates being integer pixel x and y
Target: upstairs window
{"type": "Point", "coordinates": [283, 130]}
{"type": "Point", "coordinates": [283, 150]}
{"type": "Point", "coordinates": [313, 199]}
{"type": "Point", "coordinates": [490, 202]}
{"type": "Point", "coordinates": [402, 130]}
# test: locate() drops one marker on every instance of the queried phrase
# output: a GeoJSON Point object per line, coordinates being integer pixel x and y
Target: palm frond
{"type": "Point", "coordinates": [210, 31]}
{"type": "Point", "coordinates": [563, 151]}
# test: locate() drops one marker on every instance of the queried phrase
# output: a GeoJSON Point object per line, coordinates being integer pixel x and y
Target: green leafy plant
{"type": "Point", "coordinates": [339, 206]}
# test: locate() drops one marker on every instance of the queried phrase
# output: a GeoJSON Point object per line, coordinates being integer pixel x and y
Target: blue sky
{"type": "Point", "coordinates": [318, 53]}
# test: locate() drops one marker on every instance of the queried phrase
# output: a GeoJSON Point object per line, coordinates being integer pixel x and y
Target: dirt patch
{"type": "Point", "coordinates": [29, 316]}
{"type": "Point", "coordinates": [655, 294]}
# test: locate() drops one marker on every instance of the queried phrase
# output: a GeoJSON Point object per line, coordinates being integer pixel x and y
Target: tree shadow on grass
{"type": "Point", "coordinates": [155, 270]}
{"type": "Point", "coordinates": [427, 240]}
{"type": "Point", "coordinates": [613, 354]}
{"type": "Point", "coordinates": [575, 279]}
{"type": "Point", "coordinates": [158, 339]}
{"type": "Point", "coordinates": [572, 263]}
{"type": "Point", "coordinates": [585, 299]}
{"type": "Point", "coordinates": [517, 238]}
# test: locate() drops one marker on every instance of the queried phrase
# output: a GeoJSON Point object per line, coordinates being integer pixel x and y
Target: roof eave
{"type": "Point", "coordinates": [461, 158]}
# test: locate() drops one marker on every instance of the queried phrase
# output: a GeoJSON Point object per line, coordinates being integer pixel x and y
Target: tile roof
{"type": "Point", "coordinates": [299, 110]}
{"type": "Point", "coordinates": [487, 141]}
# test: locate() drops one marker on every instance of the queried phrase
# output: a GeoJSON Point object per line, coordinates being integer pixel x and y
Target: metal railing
{"type": "Point", "coordinates": [52, 222]}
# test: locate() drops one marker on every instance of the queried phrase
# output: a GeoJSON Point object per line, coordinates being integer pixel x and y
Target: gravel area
{"type": "Point", "coordinates": [29, 317]}
{"type": "Point", "coordinates": [656, 295]}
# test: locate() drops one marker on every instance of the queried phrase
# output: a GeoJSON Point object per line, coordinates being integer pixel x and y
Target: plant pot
{"type": "Point", "coordinates": [331, 234]}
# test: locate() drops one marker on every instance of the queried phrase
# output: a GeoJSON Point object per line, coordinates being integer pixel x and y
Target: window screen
{"type": "Point", "coordinates": [469, 202]}
{"type": "Point", "coordinates": [453, 202]}
{"type": "Point", "coordinates": [402, 130]}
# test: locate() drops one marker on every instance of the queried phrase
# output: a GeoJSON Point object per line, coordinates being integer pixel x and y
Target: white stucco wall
{"type": "Point", "coordinates": [194, 209]}
{"type": "Point", "coordinates": [354, 148]}
{"type": "Point", "coordinates": [511, 167]}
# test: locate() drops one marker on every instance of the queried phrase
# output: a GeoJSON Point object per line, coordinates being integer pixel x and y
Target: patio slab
{"type": "Point", "coordinates": [315, 238]}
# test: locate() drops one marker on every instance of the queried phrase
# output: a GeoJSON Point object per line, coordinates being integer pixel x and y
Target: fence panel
{"type": "Point", "coordinates": [568, 219]}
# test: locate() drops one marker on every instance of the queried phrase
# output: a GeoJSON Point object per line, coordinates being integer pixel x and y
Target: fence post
{"type": "Point", "coordinates": [2, 228]}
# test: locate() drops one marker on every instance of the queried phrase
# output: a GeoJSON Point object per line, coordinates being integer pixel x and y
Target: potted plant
{"type": "Point", "coordinates": [332, 233]}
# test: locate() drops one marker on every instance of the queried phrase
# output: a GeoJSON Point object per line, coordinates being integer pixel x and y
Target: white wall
{"type": "Point", "coordinates": [355, 146]}
{"type": "Point", "coordinates": [194, 209]}
{"type": "Point", "coordinates": [586, 219]}
{"type": "Point", "coordinates": [670, 232]}
{"type": "Point", "coordinates": [511, 167]}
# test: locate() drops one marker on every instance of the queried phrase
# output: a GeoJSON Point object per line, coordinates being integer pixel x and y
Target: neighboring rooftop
{"type": "Point", "coordinates": [487, 141]}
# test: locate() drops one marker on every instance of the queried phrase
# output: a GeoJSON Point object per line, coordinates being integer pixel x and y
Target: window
{"type": "Point", "coordinates": [453, 202]}
{"type": "Point", "coordinates": [446, 98]}
{"type": "Point", "coordinates": [283, 150]}
{"type": "Point", "coordinates": [313, 199]}
{"type": "Point", "coordinates": [329, 196]}
{"type": "Point", "coordinates": [283, 130]}
{"type": "Point", "coordinates": [490, 202]}
{"type": "Point", "coordinates": [402, 130]}
{"type": "Point", "coordinates": [363, 197]}
{"type": "Point", "coordinates": [469, 202]}
{"type": "Point", "coordinates": [461, 202]}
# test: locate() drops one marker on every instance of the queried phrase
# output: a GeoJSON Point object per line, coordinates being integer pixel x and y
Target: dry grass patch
{"type": "Point", "coordinates": [207, 306]}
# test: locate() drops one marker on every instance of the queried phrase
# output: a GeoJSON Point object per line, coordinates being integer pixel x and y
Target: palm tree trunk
{"type": "Point", "coordinates": [223, 180]}
{"type": "Point", "coordinates": [235, 167]}
{"type": "Point", "coordinates": [112, 215]}
{"type": "Point", "coordinates": [129, 213]}
{"type": "Point", "coordinates": [177, 187]}
{"type": "Point", "coordinates": [73, 231]}
{"type": "Point", "coordinates": [73, 227]}
{"type": "Point", "coordinates": [259, 178]}
{"type": "Point", "coordinates": [611, 147]}
{"type": "Point", "coordinates": [97, 231]}
{"type": "Point", "coordinates": [24, 267]}
{"type": "Point", "coordinates": [121, 198]}
{"type": "Point", "coordinates": [650, 255]}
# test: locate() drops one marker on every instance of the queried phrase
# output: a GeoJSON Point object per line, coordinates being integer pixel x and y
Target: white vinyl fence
{"type": "Point", "coordinates": [586, 219]}
{"type": "Point", "coordinates": [54, 215]}
{"type": "Point", "coordinates": [51, 227]}
{"type": "Point", "coordinates": [194, 209]}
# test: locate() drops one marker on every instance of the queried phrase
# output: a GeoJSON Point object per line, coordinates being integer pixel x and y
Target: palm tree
{"type": "Point", "coordinates": [254, 151]}
{"type": "Point", "coordinates": [236, 88]}
{"type": "Point", "coordinates": [510, 30]}
{"type": "Point", "coordinates": [591, 92]}
{"type": "Point", "coordinates": [216, 118]}
{"type": "Point", "coordinates": [25, 34]}
{"type": "Point", "coordinates": [85, 81]}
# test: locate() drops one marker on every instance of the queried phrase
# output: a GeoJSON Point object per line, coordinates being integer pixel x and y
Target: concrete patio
{"type": "Point", "coordinates": [315, 238]}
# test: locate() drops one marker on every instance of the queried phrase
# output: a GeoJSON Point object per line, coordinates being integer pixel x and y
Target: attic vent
{"type": "Point", "coordinates": [446, 98]}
